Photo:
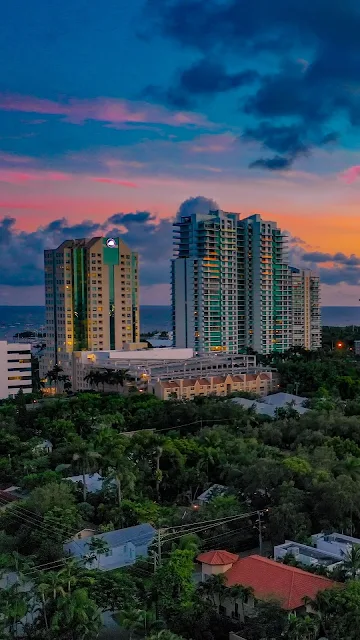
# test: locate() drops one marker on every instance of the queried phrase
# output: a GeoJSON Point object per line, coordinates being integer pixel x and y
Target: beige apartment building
{"type": "Point", "coordinates": [91, 298]}
{"type": "Point", "coordinates": [306, 310]}
{"type": "Point", "coordinates": [259, 383]}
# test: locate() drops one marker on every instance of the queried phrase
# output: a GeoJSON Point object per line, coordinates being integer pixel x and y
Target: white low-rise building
{"type": "Point", "coordinates": [335, 543]}
{"type": "Point", "coordinates": [306, 555]}
{"type": "Point", "coordinates": [15, 369]}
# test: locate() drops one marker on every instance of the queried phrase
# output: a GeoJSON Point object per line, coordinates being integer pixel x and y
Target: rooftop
{"type": "Point", "coordinates": [141, 534]}
{"type": "Point", "coordinates": [217, 558]}
{"type": "Point", "coordinates": [270, 579]}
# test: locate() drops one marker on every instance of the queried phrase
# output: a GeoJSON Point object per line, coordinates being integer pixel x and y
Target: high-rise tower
{"type": "Point", "coordinates": [204, 282]}
{"type": "Point", "coordinates": [306, 310]}
{"type": "Point", "coordinates": [91, 297]}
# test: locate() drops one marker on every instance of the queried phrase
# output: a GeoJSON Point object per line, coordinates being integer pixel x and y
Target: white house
{"type": "Point", "coordinates": [214, 491]}
{"type": "Point", "coordinates": [308, 556]}
{"type": "Point", "coordinates": [335, 543]}
{"type": "Point", "coordinates": [93, 481]}
{"type": "Point", "coordinates": [122, 547]}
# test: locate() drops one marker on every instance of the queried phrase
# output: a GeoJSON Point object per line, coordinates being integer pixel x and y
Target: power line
{"type": "Point", "coordinates": [169, 539]}
{"type": "Point", "coordinates": [199, 522]}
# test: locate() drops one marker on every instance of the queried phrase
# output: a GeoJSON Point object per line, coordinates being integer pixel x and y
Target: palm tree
{"type": "Point", "coordinates": [65, 379]}
{"type": "Point", "coordinates": [352, 561]}
{"type": "Point", "coordinates": [240, 593]}
{"type": "Point", "coordinates": [158, 473]}
{"type": "Point", "coordinates": [86, 457]}
{"type": "Point", "coordinates": [302, 627]}
{"type": "Point", "coordinates": [164, 634]}
{"type": "Point", "coordinates": [98, 546]}
{"type": "Point", "coordinates": [132, 620]}
{"type": "Point", "coordinates": [53, 375]}
{"type": "Point", "coordinates": [93, 378]}
{"type": "Point", "coordinates": [120, 376]}
{"type": "Point", "coordinates": [77, 615]}
{"type": "Point", "coordinates": [122, 470]}
{"type": "Point", "coordinates": [214, 588]}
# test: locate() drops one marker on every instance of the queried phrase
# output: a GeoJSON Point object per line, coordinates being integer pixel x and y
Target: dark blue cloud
{"type": "Point", "coordinates": [21, 252]}
{"type": "Point", "coordinates": [276, 163]}
{"type": "Point", "coordinates": [315, 54]}
{"type": "Point", "coordinates": [204, 78]}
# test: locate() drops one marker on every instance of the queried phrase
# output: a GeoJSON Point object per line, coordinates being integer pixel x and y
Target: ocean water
{"type": "Point", "coordinates": [17, 319]}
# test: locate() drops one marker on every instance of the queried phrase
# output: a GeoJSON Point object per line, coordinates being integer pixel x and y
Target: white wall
{"type": "Point", "coordinates": [14, 369]}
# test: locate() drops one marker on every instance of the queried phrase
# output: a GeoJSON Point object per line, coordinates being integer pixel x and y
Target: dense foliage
{"type": "Point", "coordinates": [301, 472]}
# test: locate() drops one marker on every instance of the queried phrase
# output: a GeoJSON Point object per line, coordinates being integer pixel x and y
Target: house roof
{"type": "Point", "coordinates": [141, 534]}
{"type": "Point", "coordinates": [93, 481]}
{"type": "Point", "coordinates": [271, 579]}
{"type": "Point", "coordinates": [189, 382]}
{"type": "Point", "coordinates": [212, 492]}
{"type": "Point", "coordinates": [238, 378]}
{"type": "Point", "coordinates": [5, 496]}
{"type": "Point", "coordinates": [170, 384]}
{"type": "Point", "coordinates": [281, 399]}
{"type": "Point", "coordinates": [204, 382]}
{"type": "Point", "coordinates": [217, 558]}
{"type": "Point", "coordinates": [264, 376]}
{"type": "Point", "coordinates": [219, 379]}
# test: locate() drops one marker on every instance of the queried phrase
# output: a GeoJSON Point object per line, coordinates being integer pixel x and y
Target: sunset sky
{"type": "Point", "coordinates": [114, 113]}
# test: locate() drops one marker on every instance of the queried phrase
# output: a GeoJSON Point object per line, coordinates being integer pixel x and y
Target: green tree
{"type": "Point", "coordinates": [238, 593]}
{"type": "Point", "coordinates": [338, 610]}
{"type": "Point", "coordinates": [98, 547]}
{"type": "Point", "coordinates": [352, 561]}
{"type": "Point", "coordinates": [302, 627]}
{"type": "Point", "coordinates": [174, 585]}
{"type": "Point", "coordinates": [86, 458]}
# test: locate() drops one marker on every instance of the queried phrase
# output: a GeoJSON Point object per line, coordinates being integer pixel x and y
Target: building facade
{"type": "Point", "coordinates": [204, 282]}
{"type": "Point", "coordinates": [263, 286]}
{"type": "Point", "coordinates": [91, 297]}
{"type": "Point", "coordinates": [231, 284]}
{"type": "Point", "coordinates": [15, 369]}
{"type": "Point", "coordinates": [189, 388]}
{"type": "Point", "coordinates": [306, 310]}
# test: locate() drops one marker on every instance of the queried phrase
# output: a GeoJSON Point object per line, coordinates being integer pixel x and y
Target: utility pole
{"type": "Point", "coordinates": [159, 548]}
{"type": "Point", "coordinates": [260, 532]}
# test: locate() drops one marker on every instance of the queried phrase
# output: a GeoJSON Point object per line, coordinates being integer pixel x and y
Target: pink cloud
{"type": "Point", "coordinates": [218, 143]}
{"type": "Point", "coordinates": [10, 158]}
{"type": "Point", "coordinates": [21, 177]}
{"type": "Point", "coordinates": [350, 175]}
{"type": "Point", "coordinates": [101, 109]}
{"type": "Point", "coordinates": [122, 183]}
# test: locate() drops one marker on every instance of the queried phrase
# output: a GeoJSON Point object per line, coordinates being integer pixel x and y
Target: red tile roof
{"type": "Point", "coordinates": [217, 558]}
{"type": "Point", "coordinates": [238, 378]}
{"type": "Point", "coordinates": [264, 376]}
{"type": "Point", "coordinates": [270, 579]}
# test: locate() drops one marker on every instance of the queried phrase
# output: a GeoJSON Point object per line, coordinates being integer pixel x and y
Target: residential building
{"type": "Point", "coordinates": [305, 555]}
{"type": "Point", "coordinates": [267, 578]}
{"type": "Point", "coordinates": [15, 369]}
{"type": "Point", "coordinates": [306, 310]}
{"type": "Point", "coordinates": [263, 286]}
{"type": "Point", "coordinates": [335, 543]}
{"type": "Point", "coordinates": [204, 282]}
{"type": "Point", "coordinates": [215, 491]}
{"type": "Point", "coordinates": [270, 404]}
{"type": "Point", "coordinates": [91, 297]}
{"type": "Point", "coordinates": [93, 481]}
{"type": "Point", "coordinates": [123, 547]}
{"type": "Point", "coordinates": [189, 388]}
{"type": "Point", "coordinates": [231, 284]}
{"type": "Point", "coordinates": [357, 347]}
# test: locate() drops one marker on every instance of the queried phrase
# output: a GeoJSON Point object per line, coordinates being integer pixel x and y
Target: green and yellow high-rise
{"type": "Point", "coordinates": [91, 298]}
